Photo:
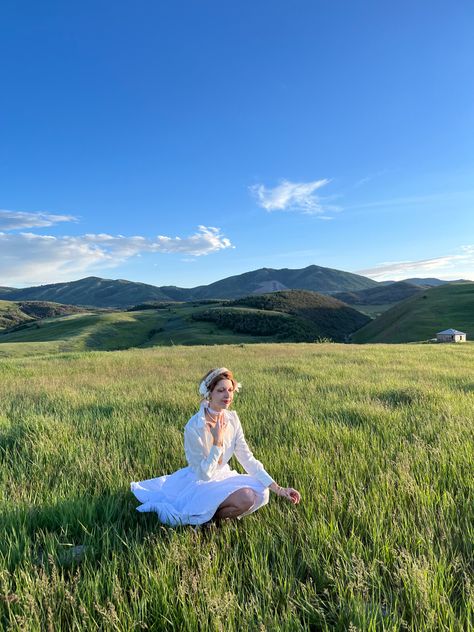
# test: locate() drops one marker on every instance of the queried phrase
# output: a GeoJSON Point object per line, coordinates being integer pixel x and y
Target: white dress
{"type": "Point", "coordinates": [192, 494]}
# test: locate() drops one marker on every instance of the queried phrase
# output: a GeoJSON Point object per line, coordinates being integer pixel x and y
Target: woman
{"type": "Point", "coordinates": [207, 488]}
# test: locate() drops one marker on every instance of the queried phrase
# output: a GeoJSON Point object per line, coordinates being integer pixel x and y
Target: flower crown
{"type": "Point", "coordinates": [204, 386]}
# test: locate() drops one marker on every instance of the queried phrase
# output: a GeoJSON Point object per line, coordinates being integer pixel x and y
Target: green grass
{"type": "Point", "coordinates": [373, 310]}
{"type": "Point", "coordinates": [378, 439]}
{"type": "Point", "coordinates": [423, 315]}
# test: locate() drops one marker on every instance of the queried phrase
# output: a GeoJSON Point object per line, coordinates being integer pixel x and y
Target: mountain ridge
{"type": "Point", "coordinates": [97, 292]}
{"type": "Point", "coordinates": [93, 291]}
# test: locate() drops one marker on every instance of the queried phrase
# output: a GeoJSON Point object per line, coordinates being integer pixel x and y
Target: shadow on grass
{"type": "Point", "coordinates": [402, 397]}
{"type": "Point", "coordinates": [73, 530]}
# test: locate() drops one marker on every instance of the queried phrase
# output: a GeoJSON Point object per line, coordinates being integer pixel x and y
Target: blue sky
{"type": "Point", "coordinates": [177, 143]}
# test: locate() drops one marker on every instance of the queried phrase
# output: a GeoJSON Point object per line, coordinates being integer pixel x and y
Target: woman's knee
{"type": "Point", "coordinates": [247, 498]}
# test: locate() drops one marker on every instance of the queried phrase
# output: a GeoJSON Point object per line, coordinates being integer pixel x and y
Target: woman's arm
{"type": "Point", "coordinates": [246, 458]}
{"type": "Point", "coordinates": [287, 492]}
{"type": "Point", "coordinates": [255, 468]}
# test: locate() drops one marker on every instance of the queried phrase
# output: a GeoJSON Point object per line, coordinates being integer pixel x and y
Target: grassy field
{"type": "Point", "coordinates": [379, 440]}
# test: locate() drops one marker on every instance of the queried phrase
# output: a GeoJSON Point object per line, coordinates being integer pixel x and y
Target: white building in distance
{"type": "Point", "coordinates": [451, 335]}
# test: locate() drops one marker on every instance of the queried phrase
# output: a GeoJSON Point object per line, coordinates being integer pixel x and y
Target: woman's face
{"type": "Point", "coordinates": [222, 395]}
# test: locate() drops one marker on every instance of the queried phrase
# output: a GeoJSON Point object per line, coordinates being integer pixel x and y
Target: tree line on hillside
{"type": "Point", "coordinates": [279, 326]}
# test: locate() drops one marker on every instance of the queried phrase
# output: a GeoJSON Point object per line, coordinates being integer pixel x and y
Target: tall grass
{"type": "Point", "coordinates": [379, 440]}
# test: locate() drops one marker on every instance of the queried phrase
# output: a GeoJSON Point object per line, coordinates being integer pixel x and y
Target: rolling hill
{"type": "Point", "coordinates": [97, 292]}
{"type": "Point", "coordinates": [285, 316]}
{"type": "Point", "coordinates": [329, 316]}
{"type": "Point", "coordinates": [423, 315]}
{"type": "Point", "coordinates": [115, 330]}
{"type": "Point", "coordinates": [16, 314]}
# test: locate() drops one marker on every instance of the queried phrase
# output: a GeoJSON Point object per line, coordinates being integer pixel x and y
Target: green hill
{"type": "Point", "coordinates": [109, 331]}
{"type": "Point", "coordinates": [16, 314]}
{"type": "Point", "coordinates": [271, 324]}
{"type": "Point", "coordinates": [11, 315]}
{"type": "Point", "coordinates": [328, 316]}
{"type": "Point", "coordinates": [380, 295]}
{"type": "Point", "coordinates": [423, 315]}
{"type": "Point", "coordinates": [285, 316]}
{"type": "Point", "coordinates": [91, 292]}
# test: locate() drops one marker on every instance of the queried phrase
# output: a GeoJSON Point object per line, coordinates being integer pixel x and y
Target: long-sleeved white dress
{"type": "Point", "coordinates": [192, 494]}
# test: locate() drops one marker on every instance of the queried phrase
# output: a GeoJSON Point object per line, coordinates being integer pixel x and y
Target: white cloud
{"type": "Point", "coordinates": [14, 220]}
{"type": "Point", "coordinates": [446, 267]}
{"type": "Point", "coordinates": [27, 258]}
{"type": "Point", "coordinates": [292, 196]}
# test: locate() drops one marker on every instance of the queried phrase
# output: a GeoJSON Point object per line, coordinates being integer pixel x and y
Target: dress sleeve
{"type": "Point", "coordinates": [247, 459]}
{"type": "Point", "coordinates": [195, 451]}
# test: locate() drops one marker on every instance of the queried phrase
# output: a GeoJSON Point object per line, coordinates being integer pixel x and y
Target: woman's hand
{"type": "Point", "coordinates": [287, 492]}
{"type": "Point", "coordinates": [218, 430]}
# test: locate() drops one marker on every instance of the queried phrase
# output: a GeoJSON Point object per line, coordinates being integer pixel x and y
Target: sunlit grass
{"type": "Point", "coordinates": [379, 440]}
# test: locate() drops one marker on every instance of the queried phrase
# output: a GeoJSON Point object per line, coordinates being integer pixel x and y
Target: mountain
{"type": "Point", "coordinates": [421, 316]}
{"type": "Point", "coordinates": [380, 295]}
{"type": "Point", "coordinates": [313, 278]}
{"type": "Point", "coordinates": [428, 282]}
{"type": "Point", "coordinates": [94, 291]}
{"type": "Point", "coordinates": [91, 291]}
{"type": "Point", "coordinates": [431, 282]}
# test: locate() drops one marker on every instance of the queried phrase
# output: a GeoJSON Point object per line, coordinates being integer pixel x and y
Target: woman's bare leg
{"type": "Point", "coordinates": [236, 504]}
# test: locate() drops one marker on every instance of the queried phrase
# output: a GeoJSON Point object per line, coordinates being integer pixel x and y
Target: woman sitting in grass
{"type": "Point", "coordinates": [207, 488]}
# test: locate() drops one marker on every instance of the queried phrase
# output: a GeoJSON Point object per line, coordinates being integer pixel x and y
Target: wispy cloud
{"type": "Point", "coordinates": [17, 220]}
{"type": "Point", "coordinates": [28, 258]}
{"type": "Point", "coordinates": [293, 196]}
{"type": "Point", "coordinates": [412, 201]}
{"type": "Point", "coordinates": [369, 178]}
{"type": "Point", "coordinates": [451, 266]}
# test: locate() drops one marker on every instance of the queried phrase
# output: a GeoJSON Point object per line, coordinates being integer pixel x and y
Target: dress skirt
{"type": "Point", "coordinates": [181, 498]}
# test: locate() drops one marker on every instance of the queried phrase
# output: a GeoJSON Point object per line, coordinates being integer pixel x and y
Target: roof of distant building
{"type": "Point", "coordinates": [451, 331]}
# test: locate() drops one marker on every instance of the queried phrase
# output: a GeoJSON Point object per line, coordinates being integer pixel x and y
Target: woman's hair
{"type": "Point", "coordinates": [225, 375]}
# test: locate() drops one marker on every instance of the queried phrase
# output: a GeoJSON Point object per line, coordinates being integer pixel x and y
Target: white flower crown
{"type": "Point", "coordinates": [204, 386]}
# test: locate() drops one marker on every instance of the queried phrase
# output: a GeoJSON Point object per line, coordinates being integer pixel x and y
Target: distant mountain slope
{"type": "Point", "coordinates": [13, 314]}
{"type": "Point", "coordinates": [97, 292]}
{"type": "Point", "coordinates": [91, 291]}
{"type": "Point", "coordinates": [315, 315]}
{"type": "Point", "coordinates": [432, 282]}
{"type": "Point", "coordinates": [393, 293]}
{"type": "Point", "coordinates": [313, 278]}
{"type": "Point", "coordinates": [423, 315]}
